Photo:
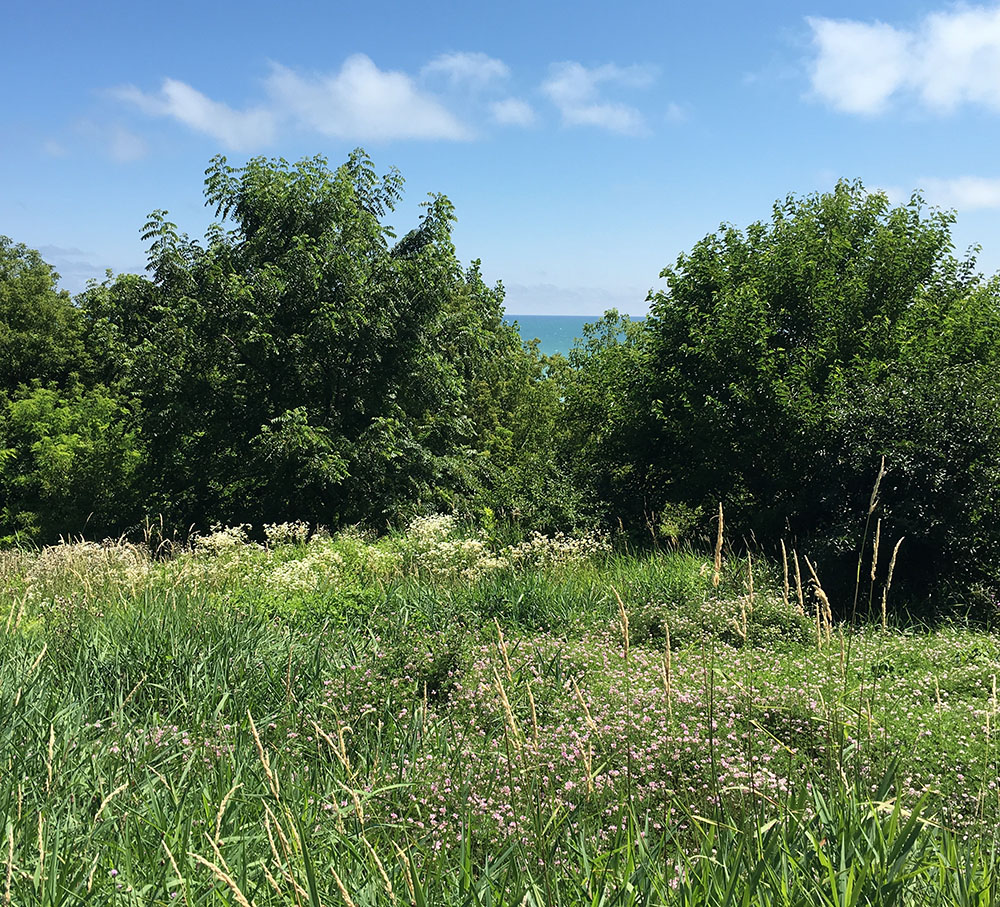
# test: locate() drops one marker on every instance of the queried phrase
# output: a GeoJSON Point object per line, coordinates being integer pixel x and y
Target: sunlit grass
{"type": "Point", "coordinates": [434, 717]}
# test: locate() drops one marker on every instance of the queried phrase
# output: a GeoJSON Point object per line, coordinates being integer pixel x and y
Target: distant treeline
{"type": "Point", "coordinates": [304, 362]}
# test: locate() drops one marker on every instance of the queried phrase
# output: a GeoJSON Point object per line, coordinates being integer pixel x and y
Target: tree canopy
{"type": "Point", "coordinates": [302, 361]}
{"type": "Point", "coordinates": [41, 332]}
{"type": "Point", "coordinates": [783, 361]}
{"type": "Point", "coordinates": [299, 362]}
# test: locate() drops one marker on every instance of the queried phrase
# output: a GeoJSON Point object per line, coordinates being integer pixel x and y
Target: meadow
{"type": "Point", "coordinates": [440, 716]}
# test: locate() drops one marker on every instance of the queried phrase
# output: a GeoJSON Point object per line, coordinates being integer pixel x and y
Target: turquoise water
{"type": "Point", "coordinates": [555, 333]}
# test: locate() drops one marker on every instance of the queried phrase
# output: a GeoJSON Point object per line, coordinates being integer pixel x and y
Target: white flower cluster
{"type": "Point", "coordinates": [322, 563]}
{"type": "Point", "coordinates": [294, 533]}
{"type": "Point", "coordinates": [469, 558]}
{"type": "Point", "coordinates": [295, 560]}
{"type": "Point", "coordinates": [557, 550]}
{"type": "Point", "coordinates": [222, 539]}
{"type": "Point", "coordinates": [435, 545]}
{"type": "Point", "coordinates": [424, 531]}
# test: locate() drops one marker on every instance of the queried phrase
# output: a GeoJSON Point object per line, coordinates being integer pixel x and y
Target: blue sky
{"type": "Point", "coordinates": [584, 145]}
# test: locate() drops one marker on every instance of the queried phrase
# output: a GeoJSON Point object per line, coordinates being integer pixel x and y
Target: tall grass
{"type": "Point", "coordinates": [419, 720]}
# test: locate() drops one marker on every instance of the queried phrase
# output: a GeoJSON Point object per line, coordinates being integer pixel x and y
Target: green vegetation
{"type": "Point", "coordinates": [302, 363]}
{"type": "Point", "coordinates": [432, 718]}
{"type": "Point", "coordinates": [505, 673]}
{"type": "Point", "coordinates": [784, 361]}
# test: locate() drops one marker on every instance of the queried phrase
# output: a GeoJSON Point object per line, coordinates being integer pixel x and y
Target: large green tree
{"type": "Point", "coordinates": [602, 438]}
{"type": "Point", "coordinates": [41, 331]}
{"type": "Point", "coordinates": [785, 360]}
{"type": "Point", "coordinates": [303, 361]}
{"type": "Point", "coordinates": [68, 463]}
{"type": "Point", "coordinates": [68, 446]}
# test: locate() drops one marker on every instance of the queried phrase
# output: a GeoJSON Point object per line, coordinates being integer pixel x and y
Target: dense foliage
{"type": "Point", "coordinates": [41, 332]}
{"type": "Point", "coordinates": [302, 362]}
{"type": "Point", "coordinates": [506, 702]}
{"type": "Point", "coordinates": [784, 361]}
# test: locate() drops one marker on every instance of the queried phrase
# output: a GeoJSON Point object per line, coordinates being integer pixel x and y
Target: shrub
{"type": "Point", "coordinates": [783, 361]}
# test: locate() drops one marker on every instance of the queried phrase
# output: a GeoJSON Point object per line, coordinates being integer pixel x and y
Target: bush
{"type": "Point", "coordinates": [68, 463]}
{"type": "Point", "coordinates": [783, 361]}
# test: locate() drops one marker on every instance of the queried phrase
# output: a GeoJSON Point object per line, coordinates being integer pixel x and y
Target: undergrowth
{"type": "Point", "coordinates": [432, 718]}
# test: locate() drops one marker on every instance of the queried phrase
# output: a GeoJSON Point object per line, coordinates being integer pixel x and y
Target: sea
{"type": "Point", "coordinates": [555, 333]}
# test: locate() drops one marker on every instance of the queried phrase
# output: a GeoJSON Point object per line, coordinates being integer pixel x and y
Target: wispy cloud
{"type": "Point", "coordinates": [575, 90]}
{"type": "Point", "coordinates": [240, 130]}
{"type": "Point", "coordinates": [475, 70]}
{"type": "Point", "coordinates": [107, 139]}
{"type": "Point", "coordinates": [362, 102]}
{"type": "Point", "coordinates": [948, 59]}
{"type": "Point", "coordinates": [513, 112]}
{"type": "Point", "coordinates": [966, 193]}
{"type": "Point", "coordinates": [125, 146]}
{"type": "Point", "coordinates": [359, 102]}
{"type": "Point", "coordinates": [54, 149]}
{"type": "Point", "coordinates": [676, 113]}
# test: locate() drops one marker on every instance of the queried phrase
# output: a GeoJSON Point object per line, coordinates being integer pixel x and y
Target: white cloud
{"type": "Point", "coordinates": [966, 193]}
{"type": "Point", "coordinates": [959, 60]}
{"type": "Point", "coordinates": [574, 89]}
{"type": "Point", "coordinates": [473, 69]}
{"type": "Point", "coordinates": [948, 59]}
{"type": "Point", "coordinates": [125, 146]}
{"type": "Point", "coordinates": [676, 113]}
{"type": "Point", "coordinates": [362, 102]}
{"type": "Point", "coordinates": [238, 130]}
{"type": "Point", "coordinates": [513, 112]}
{"type": "Point", "coordinates": [54, 149]}
{"type": "Point", "coordinates": [858, 66]}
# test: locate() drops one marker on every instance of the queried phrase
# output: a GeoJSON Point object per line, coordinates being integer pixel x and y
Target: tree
{"type": "Point", "coordinates": [524, 479]}
{"type": "Point", "coordinates": [302, 362]}
{"type": "Point", "coordinates": [41, 332]}
{"type": "Point", "coordinates": [603, 437]}
{"type": "Point", "coordinates": [933, 411]}
{"type": "Point", "coordinates": [786, 359]}
{"type": "Point", "coordinates": [67, 464]}
{"type": "Point", "coordinates": [67, 446]}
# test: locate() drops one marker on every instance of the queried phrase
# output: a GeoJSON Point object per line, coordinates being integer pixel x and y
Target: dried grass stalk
{"type": "Point", "coordinates": [878, 536]}
{"type": "Point", "coordinates": [340, 887]}
{"type": "Point", "coordinates": [223, 877]}
{"type": "Point", "coordinates": [888, 582]}
{"type": "Point", "coordinates": [272, 781]}
{"type": "Point", "coordinates": [798, 584]}
{"type": "Point", "coordinates": [222, 811]}
{"type": "Point", "coordinates": [786, 589]}
{"type": "Point", "coordinates": [717, 574]}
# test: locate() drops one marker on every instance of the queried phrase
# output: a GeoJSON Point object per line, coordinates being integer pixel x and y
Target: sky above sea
{"type": "Point", "coordinates": [585, 145]}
